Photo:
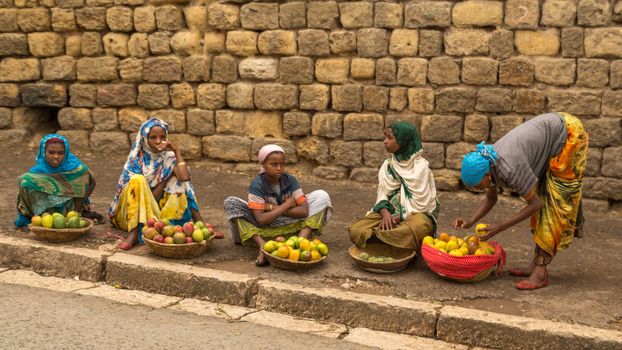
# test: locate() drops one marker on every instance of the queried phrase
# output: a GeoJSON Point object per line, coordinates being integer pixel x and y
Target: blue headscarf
{"type": "Point", "coordinates": [477, 164]}
{"type": "Point", "coordinates": [69, 163]}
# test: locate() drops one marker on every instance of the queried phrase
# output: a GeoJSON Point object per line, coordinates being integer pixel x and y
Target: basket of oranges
{"type": "Point", "coordinates": [462, 259]}
{"type": "Point", "coordinates": [295, 253]}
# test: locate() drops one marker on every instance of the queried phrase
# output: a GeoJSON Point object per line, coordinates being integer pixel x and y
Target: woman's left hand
{"type": "Point", "coordinates": [167, 146]}
{"type": "Point", "coordinates": [491, 231]}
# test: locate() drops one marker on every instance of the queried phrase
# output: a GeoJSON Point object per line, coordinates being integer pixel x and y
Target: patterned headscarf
{"type": "Point", "coordinates": [477, 164]}
{"type": "Point", "coordinates": [265, 151]}
{"type": "Point", "coordinates": [408, 138]}
{"type": "Point", "coordinates": [154, 166]}
{"type": "Point", "coordinates": [69, 163]}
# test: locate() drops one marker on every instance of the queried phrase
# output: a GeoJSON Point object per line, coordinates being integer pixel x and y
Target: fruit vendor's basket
{"type": "Point", "coordinates": [179, 251]}
{"type": "Point", "coordinates": [401, 257]}
{"type": "Point", "coordinates": [287, 264]}
{"type": "Point", "coordinates": [471, 268]}
{"type": "Point", "coordinates": [60, 235]}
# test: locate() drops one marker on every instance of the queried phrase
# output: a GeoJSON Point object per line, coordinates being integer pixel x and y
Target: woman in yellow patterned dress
{"type": "Point", "coordinates": [155, 183]}
{"type": "Point", "coordinates": [543, 160]}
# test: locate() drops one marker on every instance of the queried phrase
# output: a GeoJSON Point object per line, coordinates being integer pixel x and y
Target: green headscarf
{"type": "Point", "coordinates": [408, 138]}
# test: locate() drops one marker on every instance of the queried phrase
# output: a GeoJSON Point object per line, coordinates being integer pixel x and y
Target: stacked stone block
{"type": "Point", "coordinates": [321, 78]}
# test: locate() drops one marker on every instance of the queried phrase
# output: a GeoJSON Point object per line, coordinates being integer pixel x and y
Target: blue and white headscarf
{"type": "Point", "coordinates": [69, 163]}
{"type": "Point", "coordinates": [155, 167]}
{"type": "Point", "coordinates": [477, 164]}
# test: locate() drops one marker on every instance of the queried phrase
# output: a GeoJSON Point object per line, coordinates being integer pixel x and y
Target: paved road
{"type": "Point", "coordinates": [33, 318]}
{"type": "Point", "coordinates": [582, 274]}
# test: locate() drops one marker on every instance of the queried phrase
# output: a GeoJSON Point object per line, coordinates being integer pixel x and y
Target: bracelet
{"type": "Point", "coordinates": [181, 163]}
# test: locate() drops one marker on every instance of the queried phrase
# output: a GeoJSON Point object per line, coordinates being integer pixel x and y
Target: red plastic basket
{"type": "Point", "coordinates": [469, 268]}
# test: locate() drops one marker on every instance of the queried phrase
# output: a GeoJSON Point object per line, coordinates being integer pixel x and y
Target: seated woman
{"type": "Point", "coordinates": [155, 183]}
{"type": "Point", "coordinates": [543, 160]}
{"type": "Point", "coordinates": [406, 206]}
{"type": "Point", "coordinates": [276, 205]}
{"type": "Point", "coordinates": [59, 182]}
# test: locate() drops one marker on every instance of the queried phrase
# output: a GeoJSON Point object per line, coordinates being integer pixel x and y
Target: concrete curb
{"type": "Point", "coordinates": [352, 309]}
{"type": "Point", "coordinates": [436, 322]}
{"type": "Point", "coordinates": [386, 340]}
{"type": "Point", "coordinates": [47, 259]}
{"type": "Point", "coordinates": [170, 278]}
{"type": "Point", "coordinates": [481, 328]}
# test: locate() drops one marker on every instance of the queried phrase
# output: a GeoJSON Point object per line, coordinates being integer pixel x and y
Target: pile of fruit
{"type": "Point", "coordinates": [469, 245]}
{"type": "Point", "coordinates": [164, 232]}
{"type": "Point", "coordinates": [296, 248]}
{"type": "Point", "coordinates": [376, 259]}
{"type": "Point", "coordinates": [59, 221]}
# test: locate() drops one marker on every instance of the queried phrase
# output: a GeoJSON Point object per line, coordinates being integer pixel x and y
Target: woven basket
{"type": "Point", "coordinates": [178, 251]}
{"type": "Point", "coordinates": [287, 264]}
{"type": "Point", "coordinates": [458, 268]}
{"type": "Point", "coordinates": [402, 257]}
{"type": "Point", "coordinates": [55, 235]}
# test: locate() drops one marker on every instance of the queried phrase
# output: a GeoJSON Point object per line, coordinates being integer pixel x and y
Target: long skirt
{"type": "Point", "coordinates": [137, 204]}
{"type": "Point", "coordinates": [31, 203]}
{"type": "Point", "coordinates": [407, 234]}
{"type": "Point", "coordinates": [554, 225]}
{"type": "Point", "coordinates": [243, 224]}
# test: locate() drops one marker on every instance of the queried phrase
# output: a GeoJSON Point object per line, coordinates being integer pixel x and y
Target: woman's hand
{"type": "Point", "coordinates": [167, 146]}
{"type": "Point", "coordinates": [462, 223]}
{"type": "Point", "coordinates": [491, 231]}
{"type": "Point", "coordinates": [387, 220]}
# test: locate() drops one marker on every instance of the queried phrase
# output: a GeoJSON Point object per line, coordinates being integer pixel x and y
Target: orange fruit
{"type": "Point", "coordinates": [283, 252]}
{"type": "Point", "coordinates": [473, 239]}
{"type": "Point", "coordinates": [317, 241]}
{"type": "Point", "coordinates": [453, 238]}
{"type": "Point", "coordinates": [294, 255]}
{"type": "Point", "coordinates": [452, 245]}
{"type": "Point", "coordinates": [444, 236]}
{"type": "Point", "coordinates": [305, 245]}
{"type": "Point", "coordinates": [36, 220]}
{"type": "Point", "coordinates": [456, 252]}
{"type": "Point", "coordinates": [479, 227]}
{"type": "Point", "coordinates": [464, 250]}
{"type": "Point", "coordinates": [441, 245]}
{"type": "Point", "coordinates": [428, 240]}
{"type": "Point", "coordinates": [315, 255]}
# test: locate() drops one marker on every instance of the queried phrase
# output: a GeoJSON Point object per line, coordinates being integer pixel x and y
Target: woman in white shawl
{"type": "Point", "coordinates": [406, 206]}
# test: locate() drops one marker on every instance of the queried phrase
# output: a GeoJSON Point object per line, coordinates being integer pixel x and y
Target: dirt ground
{"type": "Point", "coordinates": [585, 279]}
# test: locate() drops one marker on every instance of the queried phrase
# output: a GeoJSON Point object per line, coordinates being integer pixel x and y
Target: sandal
{"type": "Point", "coordinates": [518, 272]}
{"type": "Point", "coordinates": [261, 260]}
{"type": "Point", "coordinates": [526, 285]}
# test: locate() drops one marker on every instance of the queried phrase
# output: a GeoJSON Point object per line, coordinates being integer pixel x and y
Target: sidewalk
{"type": "Point", "coordinates": [442, 325]}
{"type": "Point", "coordinates": [584, 288]}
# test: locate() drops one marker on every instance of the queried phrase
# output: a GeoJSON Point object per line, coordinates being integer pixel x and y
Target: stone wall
{"type": "Point", "coordinates": [322, 78]}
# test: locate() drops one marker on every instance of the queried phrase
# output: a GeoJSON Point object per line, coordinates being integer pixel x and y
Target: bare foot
{"type": "Point", "coordinates": [130, 241]}
{"type": "Point", "coordinates": [539, 278]}
{"type": "Point", "coordinates": [261, 259]}
{"type": "Point", "coordinates": [521, 272]}
{"type": "Point", "coordinates": [305, 232]}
